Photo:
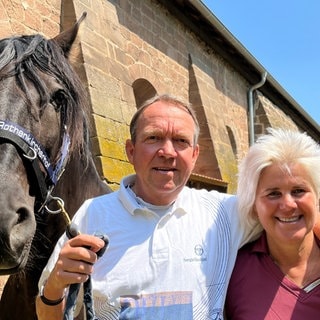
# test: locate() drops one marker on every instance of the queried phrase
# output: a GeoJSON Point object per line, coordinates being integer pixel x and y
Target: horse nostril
{"type": "Point", "coordinates": [22, 229]}
{"type": "Point", "coordinates": [23, 215]}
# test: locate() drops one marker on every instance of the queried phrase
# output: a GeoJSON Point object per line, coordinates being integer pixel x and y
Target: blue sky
{"type": "Point", "coordinates": [284, 37]}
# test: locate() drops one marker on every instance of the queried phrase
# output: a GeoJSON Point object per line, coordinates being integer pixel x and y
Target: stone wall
{"type": "Point", "coordinates": [28, 17]}
{"type": "Point", "coordinates": [130, 49]}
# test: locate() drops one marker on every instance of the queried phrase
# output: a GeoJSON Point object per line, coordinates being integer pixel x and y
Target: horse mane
{"type": "Point", "coordinates": [23, 56]}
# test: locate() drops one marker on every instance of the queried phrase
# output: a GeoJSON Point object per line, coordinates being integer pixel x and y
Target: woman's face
{"type": "Point", "coordinates": [286, 203]}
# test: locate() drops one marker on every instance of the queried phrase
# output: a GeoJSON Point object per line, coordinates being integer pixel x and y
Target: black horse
{"type": "Point", "coordinates": [44, 154]}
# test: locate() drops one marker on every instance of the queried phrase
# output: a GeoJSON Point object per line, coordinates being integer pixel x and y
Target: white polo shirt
{"type": "Point", "coordinates": [170, 267]}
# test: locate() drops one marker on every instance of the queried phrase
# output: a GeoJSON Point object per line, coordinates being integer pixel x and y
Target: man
{"type": "Point", "coordinates": [172, 248]}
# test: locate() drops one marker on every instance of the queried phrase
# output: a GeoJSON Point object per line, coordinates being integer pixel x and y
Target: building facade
{"type": "Point", "coordinates": [128, 50]}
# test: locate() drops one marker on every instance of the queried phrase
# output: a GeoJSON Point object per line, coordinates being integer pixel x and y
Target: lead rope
{"type": "Point", "coordinates": [74, 288]}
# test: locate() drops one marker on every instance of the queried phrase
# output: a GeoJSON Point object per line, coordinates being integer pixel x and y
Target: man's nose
{"type": "Point", "coordinates": [167, 148]}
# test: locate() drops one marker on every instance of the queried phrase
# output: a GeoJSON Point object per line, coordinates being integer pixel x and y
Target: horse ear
{"type": "Point", "coordinates": [66, 38]}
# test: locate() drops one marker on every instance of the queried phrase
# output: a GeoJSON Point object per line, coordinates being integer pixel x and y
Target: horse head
{"type": "Point", "coordinates": [42, 122]}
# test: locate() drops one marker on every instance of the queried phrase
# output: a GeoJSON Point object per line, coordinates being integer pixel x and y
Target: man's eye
{"type": "Point", "coordinates": [152, 139]}
{"type": "Point", "coordinates": [183, 142]}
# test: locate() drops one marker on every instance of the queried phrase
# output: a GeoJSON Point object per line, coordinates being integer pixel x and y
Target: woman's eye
{"type": "Point", "coordinates": [298, 192]}
{"type": "Point", "coordinates": [274, 194]}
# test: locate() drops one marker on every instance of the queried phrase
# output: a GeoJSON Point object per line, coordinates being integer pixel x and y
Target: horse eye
{"type": "Point", "coordinates": [59, 100]}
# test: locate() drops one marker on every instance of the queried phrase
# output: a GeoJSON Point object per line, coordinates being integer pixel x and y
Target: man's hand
{"type": "Point", "coordinates": [74, 265]}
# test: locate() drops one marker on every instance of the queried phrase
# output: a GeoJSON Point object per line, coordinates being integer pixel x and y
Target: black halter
{"type": "Point", "coordinates": [32, 153]}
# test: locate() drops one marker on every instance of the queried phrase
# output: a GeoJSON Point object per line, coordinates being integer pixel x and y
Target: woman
{"type": "Point", "coordinates": [278, 275]}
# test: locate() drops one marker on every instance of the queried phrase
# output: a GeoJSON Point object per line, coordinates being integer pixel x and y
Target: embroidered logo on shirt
{"type": "Point", "coordinates": [198, 250]}
{"type": "Point", "coordinates": [200, 254]}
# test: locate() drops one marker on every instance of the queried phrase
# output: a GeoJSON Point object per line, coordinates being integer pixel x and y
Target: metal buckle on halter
{"type": "Point", "coordinates": [46, 201]}
{"type": "Point", "coordinates": [31, 157]}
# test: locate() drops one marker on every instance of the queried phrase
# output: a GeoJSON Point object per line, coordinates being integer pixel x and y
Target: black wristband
{"type": "Point", "coordinates": [47, 301]}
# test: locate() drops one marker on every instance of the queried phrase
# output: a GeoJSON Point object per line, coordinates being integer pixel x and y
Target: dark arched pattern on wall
{"type": "Point", "coordinates": [142, 90]}
{"type": "Point", "coordinates": [232, 141]}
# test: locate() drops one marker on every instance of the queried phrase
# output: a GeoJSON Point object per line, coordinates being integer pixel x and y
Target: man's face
{"type": "Point", "coordinates": [164, 153]}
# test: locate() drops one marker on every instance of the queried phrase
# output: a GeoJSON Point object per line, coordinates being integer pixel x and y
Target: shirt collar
{"type": "Point", "coordinates": [131, 203]}
{"type": "Point", "coordinates": [261, 244]}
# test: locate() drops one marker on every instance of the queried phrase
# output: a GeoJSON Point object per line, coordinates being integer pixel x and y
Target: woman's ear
{"type": "Point", "coordinates": [254, 213]}
{"type": "Point", "coordinates": [316, 228]}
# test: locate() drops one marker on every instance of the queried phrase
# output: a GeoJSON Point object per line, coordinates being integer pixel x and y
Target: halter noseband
{"type": "Point", "coordinates": [32, 153]}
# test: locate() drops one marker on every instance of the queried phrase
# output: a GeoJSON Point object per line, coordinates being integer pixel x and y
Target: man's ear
{"type": "Point", "coordinates": [196, 152]}
{"type": "Point", "coordinates": [129, 150]}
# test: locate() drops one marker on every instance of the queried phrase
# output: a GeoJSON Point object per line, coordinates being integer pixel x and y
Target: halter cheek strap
{"type": "Point", "coordinates": [32, 152]}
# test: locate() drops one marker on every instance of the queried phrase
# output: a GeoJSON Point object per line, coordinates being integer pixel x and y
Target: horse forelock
{"type": "Point", "coordinates": [23, 56]}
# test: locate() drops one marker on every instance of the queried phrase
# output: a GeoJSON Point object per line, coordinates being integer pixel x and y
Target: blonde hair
{"type": "Point", "coordinates": [283, 147]}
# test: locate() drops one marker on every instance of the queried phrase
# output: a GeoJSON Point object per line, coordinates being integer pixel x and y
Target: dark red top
{"type": "Point", "coordinates": [259, 290]}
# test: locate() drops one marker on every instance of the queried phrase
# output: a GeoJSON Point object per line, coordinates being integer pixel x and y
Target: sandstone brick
{"type": "Point", "coordinates": [33, 21]}
{"type": "Point", "coordinates": [5, 29]}
{"type": "Point", "coordinates": [112, 149]}
{"type": "Point", "coordinates": [3, 13]}
{"type": "Point", "coordinates": [114, 170]}
{"type": "Point", "coordinates": [14, 9]}
{"type": "Point", "coordinates": [50, 28]}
